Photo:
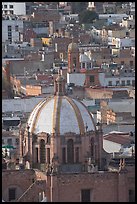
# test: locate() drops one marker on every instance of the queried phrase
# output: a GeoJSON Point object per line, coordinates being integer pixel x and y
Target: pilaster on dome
{"type": "Point", "coordinates": [59, 84]}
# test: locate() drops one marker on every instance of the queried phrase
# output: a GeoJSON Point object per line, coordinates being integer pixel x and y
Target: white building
{"type": "Point", "coordinates": [11, 29]}
{"type": "Point", "coordinates": [122, 105]}
{"type": "Point", "coordinates": [117, 142]}
{"type": "Point", "coordinates": [116, 80]}
{"type": "Point", "coordinates": [17, 8]}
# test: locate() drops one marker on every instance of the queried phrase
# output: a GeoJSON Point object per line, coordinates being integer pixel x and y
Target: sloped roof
{"type": "Point", "coordinates": [120, 138]}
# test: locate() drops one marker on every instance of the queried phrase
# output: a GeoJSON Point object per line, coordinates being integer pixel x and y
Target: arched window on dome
{"type": "Point", "coordinates": [70, 151]}
{"type": "Point", "coordinates": [42, 151]}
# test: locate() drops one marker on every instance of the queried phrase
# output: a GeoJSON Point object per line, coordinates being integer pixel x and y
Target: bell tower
{"type": "Point", "coordinates": [73, 58]}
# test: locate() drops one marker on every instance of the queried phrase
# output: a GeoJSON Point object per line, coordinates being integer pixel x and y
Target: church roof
{"type": "Point", "coordinates": [60, 114]}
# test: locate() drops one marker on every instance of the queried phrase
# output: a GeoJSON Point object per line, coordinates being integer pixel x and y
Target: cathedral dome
{"type": "Point", "coordinates": [60, 114]}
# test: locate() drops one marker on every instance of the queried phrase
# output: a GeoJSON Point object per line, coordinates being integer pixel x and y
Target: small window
{"type": "Point", "coordinates": [77, 154]}
{"type": "Point", "coordinates": [48, 155]}
{"type": "Point", "coordinates": [5, 6]}
{"type": "Point", "coordinates": [131, 196]}
{"type": "Point", "coordinates": [16, 28]}
{"type": "Point", "coordinates": [85, 195]}
{"type": "Point", "coordinates": [128, 82]}
{"type": "Point", "coordinates": [3, 141]}
{"type": "Point", "coordinates": [9, 34]}
{"type": "Point", "coordinates": [110, 83]}
{"type": "Point", "coordinates": [11, 6]}
{"type": "Point", "coordinates": [9, 141]}
{"type": "Point", "coordinates": [123, 83]}
{"type": "Point", "coordinates": [12, 194]}
{"type": "Point", "coordinates": [63, 155]}
{"type": "Point", "coordinates": [74, 62]}
{"type": "Point", "coordinates": [92, 79]}
{"type": "Point", "coordinates": [88, 65]}
{"type": "Point", "coordinates": [17, 141]}
{"type": "Point", "coordinates": [11, 12]}
{"type": "Point", "coordinates": [9, 28]}
{"type": "Point", "coordinates": [83, 65]}
{"type": "Point", "coordinates": [117, 83]}
{"type": "Point", "coordinates": [133, 82]}
{"type": "Point", "coordinates": [122, 62]}
{"type": "Point", "coordinates": [131, 63]}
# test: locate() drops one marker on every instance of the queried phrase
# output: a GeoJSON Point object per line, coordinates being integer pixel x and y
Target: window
{"type": "Point", "coordinates": [74, 62]}
{"type": "Point", "coordinates": [83, 65]}
{"type": "Point", "coordinates": [70, 151]}
{"type": "Point", "coordinates": [85, 195]}
{"type": "Point", "coordinates": [131, 63]}
{"type": "Point", "coordinates": [117, 83]}
{"type": "Point", "coordinates": [77, 154]}
{"type": "Point", "coordinates": [9, 34]}
{"type": "Point", "coordinates": [64, 155]}
{"type": "Point", "coordinates": [3, 141]}
{"type": "Point", "coordinates": [123, 83]}
{"type": "Point", "coordinates": [122, 62]}
{"type": "Point", "coordinates": [42, 151]}
{"type": "Point", "coordinates": [11, 6]}
{"type": "Point", "coordinates": [16, 28]}
{"type": "Point", "coordinates": [131, 196]}
{"type": "Point", "coordinates": [128, 82]}
{"type": "Point", "coordinates": [92, 79]}
{"type": "Point", "coordinates": [17, 141]}
{"type": "Point", "coordinates": [88, 65]}
{"type": "Point", "coordinates": [5, 6]}
{"type": "Point", "coordinates": [12, 194]}
{"type": "Point", "coordinates": [110, 83]}
{"type": "Point", "coordinates": [92, 147]}
{"type": "Point", "coordinates": [48, 155]}
{"type": "Point", "coordinates": [37, 160]}
{"type": "Point", "coordinates": [11, 12]}
{"type": "Point", "coordinates": [9, 141]}
{"type": "Point", "coordinates": [127, 33]}
{"type": "Point", "coordinates": [9, 28]}
{"type": "Point", "coordinates": [133, 82]}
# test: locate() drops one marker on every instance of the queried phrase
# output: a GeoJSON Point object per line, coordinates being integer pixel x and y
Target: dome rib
{"type": "Point", "coordinates": [56, 114]}
{"type": "Point", "coordinates": [78, 114]}
{"type": "Point", "coordinates": [89, 114]}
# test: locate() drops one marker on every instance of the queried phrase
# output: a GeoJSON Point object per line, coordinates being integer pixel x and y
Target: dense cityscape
{"type": "Point", "coordinates": [68, 101]}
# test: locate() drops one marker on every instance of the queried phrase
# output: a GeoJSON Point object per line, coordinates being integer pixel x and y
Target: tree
{"type": "Point", "coordinates": [87, 16]}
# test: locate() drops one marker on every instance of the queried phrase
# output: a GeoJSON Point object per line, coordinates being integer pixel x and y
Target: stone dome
{"type": "Point", "coordinates": [73, 47]}
{"type": "Point", "coordinates": [60, 114]}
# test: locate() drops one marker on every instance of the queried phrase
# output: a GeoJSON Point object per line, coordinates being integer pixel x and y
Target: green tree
{"type": "Point", "coordinates": [87, 16]}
